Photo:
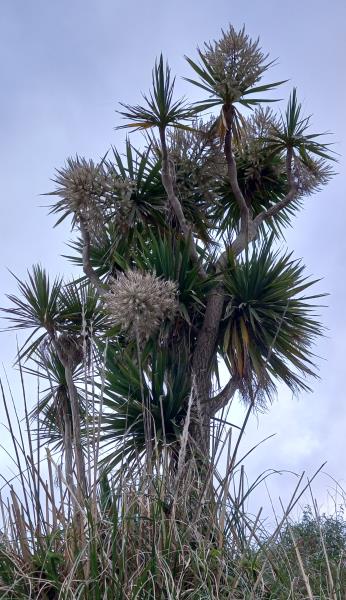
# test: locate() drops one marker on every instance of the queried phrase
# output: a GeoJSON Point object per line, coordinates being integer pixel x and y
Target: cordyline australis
{"type": "Point", "coordinates": [176, 241]}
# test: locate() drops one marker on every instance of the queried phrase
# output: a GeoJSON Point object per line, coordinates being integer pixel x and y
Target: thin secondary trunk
{"type": "Point", "coordinates": [67, 357]}
{"type": "Point", "coordinates": [228, 113]}
{"type": "Point", "coordinates": [68, 449]}
{"type": "Point", "coordinates": [77, 441]}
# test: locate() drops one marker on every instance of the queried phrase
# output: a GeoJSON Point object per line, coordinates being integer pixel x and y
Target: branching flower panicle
{"type": "Point", "coordinates": [259, 126]}
{"type": "Point", "coordinates": [139, 302]}
{"type": "Point", "coordinates": [237, 63]}
{"type": "Point", "coordinates": [256, 131]}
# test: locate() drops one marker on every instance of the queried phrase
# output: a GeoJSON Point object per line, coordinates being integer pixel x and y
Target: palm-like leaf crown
{"type": "Point", "coordinates": [269, 324]}
{"type": "Point", "coordinates": [160, 109]}
{"type": "Point", "coordinates": [53, 410]}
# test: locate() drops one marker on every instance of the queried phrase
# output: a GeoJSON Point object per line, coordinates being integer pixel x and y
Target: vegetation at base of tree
{"type": "Point", "coordinates": [159, 536]}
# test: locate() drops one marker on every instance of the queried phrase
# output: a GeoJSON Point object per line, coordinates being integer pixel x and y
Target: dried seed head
{"type": "Point", "coordinates": [237, 63]}
{"type": "Point", "coordinates": [81, 182]}
{"type": "Point", "coordinates": [256, 131]}
{"type": "Point", "coordinates": [123, 194]}
{"type": "Point", "coordinates": [259, 126]}
{"type": "Point", "coordinates": [139, 302]}
{"type": "Point", "coordinates": [263, 166]}
{"type": "Point", "coordinates": [82, 185]}
{"type": "Point", "coordinates": [311, 176]}
{"type": "Point", "coordinates": [198, 158]}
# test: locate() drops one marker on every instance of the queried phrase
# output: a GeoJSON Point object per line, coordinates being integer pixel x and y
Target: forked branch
{"type": "Point", "coordinates": [291, 195]}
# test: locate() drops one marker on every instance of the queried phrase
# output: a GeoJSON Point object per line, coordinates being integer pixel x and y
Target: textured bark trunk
{"type": "Point", "coordinates": [201, 368]}
{"type": "Point", "coordinates": [200, 419]}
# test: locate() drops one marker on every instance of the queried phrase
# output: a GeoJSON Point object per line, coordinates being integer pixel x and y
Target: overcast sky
{"type": "Point", "coordinates": [65, 64]}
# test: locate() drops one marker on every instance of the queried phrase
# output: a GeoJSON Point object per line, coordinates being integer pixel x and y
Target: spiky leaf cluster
{"type": "Point", "coordinates": [160, 108]}
{"type": "Point", "coordinates": [229, 70]}
{"type": "Point", "coordinates": [164, 386]}
{"type": "Point", "coordinates": [138, 195]}
{"type": "Point", "coordinates": [269, 324]}
{"type": "Point", "coordinates": [311, 175]}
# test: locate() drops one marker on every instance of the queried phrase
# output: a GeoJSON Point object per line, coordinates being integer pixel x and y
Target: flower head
{"type": "Point", "coordinates": [82, 185]}
{"type": "Point", "coordinates": [236, 61]}
{"type": "Point", "coordinates": [139, 302]}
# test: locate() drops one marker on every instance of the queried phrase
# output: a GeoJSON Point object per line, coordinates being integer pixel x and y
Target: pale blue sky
{"type": "Point", "coordinates": [64, 66]}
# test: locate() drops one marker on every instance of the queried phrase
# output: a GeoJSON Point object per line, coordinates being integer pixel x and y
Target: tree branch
{"type": "Point", "coordinates": [175, 203]}
{"type": "Point", "coordinates": [228, 115]}
{"type": "Point", "coordinates": [87, 266]}
{"type": "Point", "coordinates": [290, 196]}
{"type": "Point", "coordinates": [222, 399]}
{"type": "Point", "coordinates": [250, 231]}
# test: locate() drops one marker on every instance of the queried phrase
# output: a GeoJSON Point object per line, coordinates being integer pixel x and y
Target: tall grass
{"type": "Point", "coordinates": [157, 534]}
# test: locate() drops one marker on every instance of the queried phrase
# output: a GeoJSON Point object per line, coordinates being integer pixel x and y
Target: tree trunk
{"type": "Point", "coordinates": [201, 370]}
